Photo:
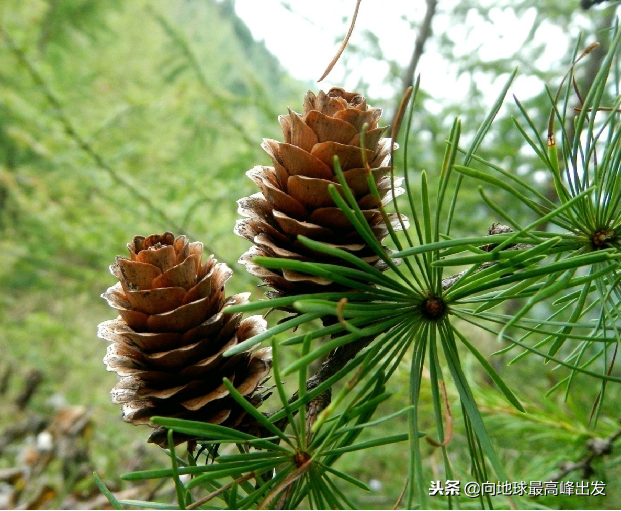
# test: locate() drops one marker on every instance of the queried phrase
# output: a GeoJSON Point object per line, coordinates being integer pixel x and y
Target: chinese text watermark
{"type": "Point", "coordinates": [475, 489]}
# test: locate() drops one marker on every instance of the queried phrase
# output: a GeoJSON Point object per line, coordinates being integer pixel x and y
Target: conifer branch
{"type": "Point", "coordinates": [339, 358]}
{"type": "Point", "coordinates": [424, 33]}
{"type": "Point", "coordinates": [597, 447]}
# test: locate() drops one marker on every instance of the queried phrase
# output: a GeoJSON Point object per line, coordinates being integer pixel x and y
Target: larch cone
{"type": "Point", "coordinates": [294, 198]}
{"type": "Point", "coordinates": [168, 342]}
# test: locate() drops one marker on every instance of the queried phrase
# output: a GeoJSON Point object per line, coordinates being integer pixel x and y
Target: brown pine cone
{"type": "Point", "coordinates": [294, 197]}
{"type": "Point", "coordinates": [167, 344]}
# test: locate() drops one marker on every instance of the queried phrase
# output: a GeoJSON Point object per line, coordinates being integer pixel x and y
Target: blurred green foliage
{"type": "Point", "coordinates": [166, 104]}
{"type": "Point", "coordinates": [170, 98]}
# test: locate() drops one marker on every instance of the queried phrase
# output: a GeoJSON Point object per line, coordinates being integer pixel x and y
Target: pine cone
{"type": "Point", "coordinates": [294, 196]}
{"type": "Point", "coordinates": [168, 342]}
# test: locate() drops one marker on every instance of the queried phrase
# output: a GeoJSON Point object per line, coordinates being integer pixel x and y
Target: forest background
{"type": "Point", "coordinates": [123, 118]}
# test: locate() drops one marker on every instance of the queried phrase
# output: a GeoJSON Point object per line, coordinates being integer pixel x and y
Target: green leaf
{"type": "Point", "coordinates": [566, 264]}
{"type": "Point", "coordinates": [235, 471]}
{"type": "Point", "coordinates": [345, 477]}
{"type": "Point", "coordinates": [147, 505]}
{"type": "Point", "coordinates": [467, 242]}
{"type": "Point", "coordinates": [262, 490]}
{"type": "Point", "coordinates": [215, 432]}
{"type": "Point", "coordinates": [487, 178]}
{"type": "Point", "coordinates": [354, 260]}
{"type": "Point", "coordinates": [108, 494]}
{"type": "Point", "coordinates": [491, 372]}
{"type": "Point", "coordinates": [276, 303]}
{"type": "Point", "coordinates": [281, 390]}
{"type": "Point", "coordinates": [175, 471]}
{"type": "Point", "coordinates": [282, 327]}
{"type": "Point", "coordinates": [327, 347]}
{"type": "Point", "coordinates": [415, 466]}
{"type": "Point", "coordinates": [476, 142]}
{"type": "Point", "coordinates": [467, 399]}
{"type": "Point", "coordinates": [371, 443]}
{"type": "Point", "coordinates": [377, 421]}
{"type": "Point", "coordinates": [356, 217]}
{"type": "Point", "coordinates": [251, 410]}
{"type": "Point", "coordinates": [336, 273]}
{"type": "Point", "coordinates": [259, 455]}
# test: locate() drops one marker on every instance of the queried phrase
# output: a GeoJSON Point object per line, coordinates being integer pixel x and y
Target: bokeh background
{"type": "Point", "coordinates": [133, 117]}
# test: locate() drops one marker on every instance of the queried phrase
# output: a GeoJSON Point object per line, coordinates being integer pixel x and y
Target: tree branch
{"type": "Point", "coordinates": [597, 448]}
{"type": "Point", "coordinates": [419, 46]}
{"type": "Point", "coordinates": [587, 4]}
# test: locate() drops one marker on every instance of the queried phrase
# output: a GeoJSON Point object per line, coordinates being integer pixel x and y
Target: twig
{"type": "Point", "coordinates": [597, 448]}
{"type": "Point", "coordinates": [419, 46]}
{"type": "Point", "coordinates": [343, 44]}
{"type": "Point", "coordinates": [396, 124]}
{"type": "Point", "coordinates": [337, 360]}
{"type": "Point", "coordinates": [70, 129]}
{"type": "Point", "coordinates": [47, 25]}
{"type": "Point", "coordinates": [33, 425]}
{"type": "Point", "coordinates": [5, 379]}
{"type": "Point", "coordinates": [220, 490]}
{"type": "Point", "coordinates": [405, 487]}
{"type": "Point", "coordinates": [290, 479]}
{"type": "Point", "coordinates": [41, 498]}
{"type": "Point", "coordinates": [33, 380]}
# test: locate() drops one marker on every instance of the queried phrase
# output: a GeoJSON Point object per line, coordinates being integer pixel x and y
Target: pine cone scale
{"type": "Point", "coordinates": [156, 301]}
{"type": "Point", "coordinates": [181, 319]}
{"type": "Point", "coordinates": [311, 192]}
{"type": "Point", "coordinates": [349, 156]}
{"type": "Point", "coordinates": [181, 275]}
{"type": "Point", "coordinates": [294, 227]}
{"type": "Point", "coordinates": [137, 276]}
{"type": "Point", "coordinates": [295, 161]}
{"type": "Point", "coordinates": [197, 403]}
{"type": "Point", "coordinates": [329, 128]}
{"type": "Point", "coordinates": [296, 132]}
{"type": "Point", "coordinates": [276, 196]}
{"type": "Point", "coordinates": [357, 178]}
{"type": "Point", "coordinates": [333, 218]}
{"type": "Point", "coordinates": [164, 258]}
